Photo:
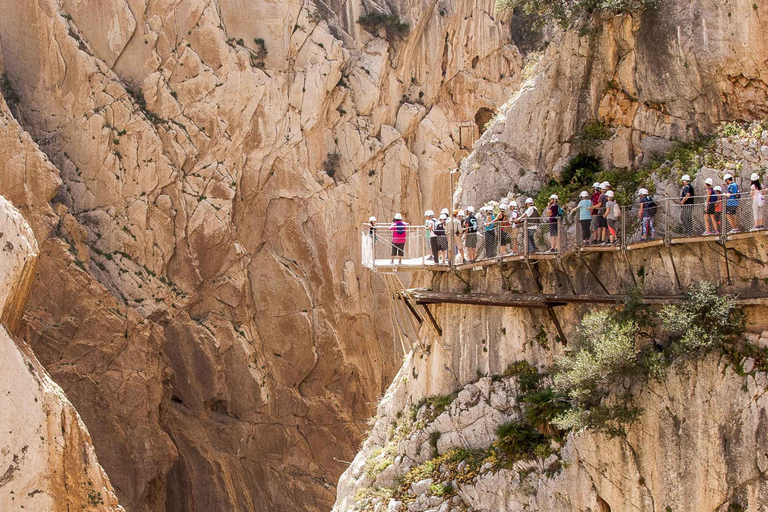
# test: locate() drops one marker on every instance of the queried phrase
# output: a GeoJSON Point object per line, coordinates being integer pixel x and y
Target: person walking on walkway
{"type": "Point", "coordinates": [460, 235]}
{"type": "Point", "coordinates": [647, 215]}
{"type": "Point", "coordinates": [686, 202]}
{"type": "Point", "coordinates": [758, 201]}
{"type": "Point", "coordinates": [490, 232]}
{"type": "Point", "coordinates": [601, 224]}
{"type": "Point", "coordinates": [514, 226]}
{"type": "Point", "coordinates": [612, 213]}
{"type": "Point", "coordinates": [503, 222]}
{"type": "Point", "coordinates": [470, 234]}
{"type": "Point", "coordinates": [585, 217]}
{"type": "Point", "coordinates": [531, 216]}
{"type": "Point", "coordinates": [399, 230]}
{"type": "Point", "coordinates": [594, 198]}
{"type": "Point", "coordinates": [710, 218]}
{"type": "Point", "coordinates": [372, 229]}
{"type": "Point", "coordinates": [732, 196]}
{"type": "Point", "coordinates": [555, 212]}
{"type": "Point", "coordinates": [441, 232]}
{"type": "Point", "coordinates": [429, 230]}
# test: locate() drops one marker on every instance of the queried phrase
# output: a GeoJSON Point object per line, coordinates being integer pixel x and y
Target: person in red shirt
{"type": "Point", "coordinates": [399, 231]}
{"type": "Point", "coordinates": [595, 198]}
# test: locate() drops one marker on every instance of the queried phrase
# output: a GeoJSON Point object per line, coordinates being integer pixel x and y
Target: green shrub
{"type": "Point", "coordinates": [527, 376]}
{"type": "Point", "coordinates": [519, 441]}
{"type": "Point", "coordinates": [392, 23]}
{"type": "Point", "coordinates": [565, 11]}
{"type": "Point", "coordinates": [542, 407]}
{"type": "Point", "coordinates": [703, 321]}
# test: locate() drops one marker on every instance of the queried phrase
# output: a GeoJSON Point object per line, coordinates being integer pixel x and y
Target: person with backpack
{"type": "Point", "coordinates": [732, 196]}
{"type": "Point", "coordinates": [585, 217]}
{"type": "Point", "coordinates": [647, 215]}
{"type": "Point", "coordinates": [612, 214]}
{"type": "Point", "coordinates": [594, 198]}
{"type": "Point", "coordinates": [503, 222]}
{"type": "Point", "coordinates": [490, 232]}
{"type": "Point", "coordinates": [399, 231]}
{"type": "Point", "coordinates": [470, 234]}
{"type": "Point", "coordinates": [710, 212]}
{"type": "Point", "coordinates": [429, 231]}
{"type": "Point", "coordinates": [460, 240]}
{"type": "Point", "coordinates": [531, 216]}
{"type": "Point", "coordinates": [514, 226]}
{"type": "Point", "coordinates": [555, 212]}
{"type": "Point", "coordinates": [686, 205]}
{"type": "Point", "coordinates": [598, 209]}
{"type": "Point", "coordinates": [440, 232]}
{"type": "Point", "coordinates": [758, 201]}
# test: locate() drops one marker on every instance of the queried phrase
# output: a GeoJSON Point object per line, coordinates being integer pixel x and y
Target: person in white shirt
{"type": "Point", "coordinates": [532, 214]}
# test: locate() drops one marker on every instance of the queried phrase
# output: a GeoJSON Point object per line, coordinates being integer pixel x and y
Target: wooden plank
{"type": "Point", "coordinates": [601, 248]}
{"type": "Point", "coordinates": [560, 332]}
{"type": "Point", "coordinates": [643, 245]}
{"type": "Point", "coordinates": [432, 319]}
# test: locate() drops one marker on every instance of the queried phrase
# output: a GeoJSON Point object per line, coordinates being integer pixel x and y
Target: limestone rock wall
{"type": "Point", "coordinates": [208, 164]}
{"type": "Point", "coordinates": [47, 461]}
{"type": "Point", "coordinates": [670, 74]}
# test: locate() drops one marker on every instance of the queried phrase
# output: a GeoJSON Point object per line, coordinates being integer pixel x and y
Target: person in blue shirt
{"type": "Point", "coordinates": [731, 203]}
{"type": "Point", "coordinates": [585, 217]}
{"type": "Point", "coordinates": [647, 214]}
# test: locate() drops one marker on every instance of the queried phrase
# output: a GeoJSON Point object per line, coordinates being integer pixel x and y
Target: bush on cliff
{"type": "Point", "coordinates": [565, 11]}
{"type": "Point", "coordinates": [616, 350]}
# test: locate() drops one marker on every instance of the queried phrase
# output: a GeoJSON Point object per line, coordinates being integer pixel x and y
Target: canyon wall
{"type": "Point", "coordinates": [195, 173]}
{"type": "Point", "coordinates": [47, 461]}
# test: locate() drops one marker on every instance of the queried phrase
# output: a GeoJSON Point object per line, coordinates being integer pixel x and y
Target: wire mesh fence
{"type": "Point", "coordinates": [620, 227]}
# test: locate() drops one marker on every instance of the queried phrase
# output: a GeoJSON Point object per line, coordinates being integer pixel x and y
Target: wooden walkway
{"type": "Point", "coordinates": [577, 252]}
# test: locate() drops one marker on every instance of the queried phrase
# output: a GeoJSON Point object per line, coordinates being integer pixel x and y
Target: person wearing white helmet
{"type": "Point", "coordinates": [612, 214]}
{"type": "Point", "coordinates": [441, 234]}
{"type": "Point", "coordinates": [554, 212]}
{"type": "Point", "coordinates": [647, 214]}
{"type": "Point", "coordinates": [710, 211]}
{"type": "Point", "coordinates": [470, 234]}
{"type": "Point", "coordinates": [686, 205]}
{"type": "Point", "coordinates": [489, 231]}
{"type": "Point", "coordinates": [531, 217]}
{"type": "Point", "coordinates": [732, 196]}
{"type": "Point", "coordinates": [758, 201]}
{"type": "Point", "coordinates": [372, 229]}
{"type": "Point", "coordinates": [599, 210]}
{"type": "Point", "coordinates": [514, 226]}
{"type": "Point", "coordinates": [502, 220]}
{"type": "Point", "coordinates": [460, 235]}
{"type": "Point", "coordinates": [585, 216]}
{"type": "Point", "coordinates": [594, 198]}
{"type": "Point", "coordinates": [429, 232]}
{"type": "Point", "coordinates": [399, 231]}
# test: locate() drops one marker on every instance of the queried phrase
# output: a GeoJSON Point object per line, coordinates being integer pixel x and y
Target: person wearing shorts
{"type": "Point", "coordinates": [731, 203]}
{"type": "Point", "coordinates": [399, 231]}
{"type": "Point", "coordinates": [598, 209]}
{"type": "Point", "coordinates": [470, 229]}
{"type": "Point", "coordinates": [585, 217]}
{"type": "Point", "coordinates": [710, 218]}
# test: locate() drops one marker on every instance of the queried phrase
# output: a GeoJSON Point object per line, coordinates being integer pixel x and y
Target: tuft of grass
{"type": "Point", "coordinates": [391, 23]}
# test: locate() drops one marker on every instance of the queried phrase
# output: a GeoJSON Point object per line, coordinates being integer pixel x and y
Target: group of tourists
{"type": "Point", "coordinates": [497, 227]}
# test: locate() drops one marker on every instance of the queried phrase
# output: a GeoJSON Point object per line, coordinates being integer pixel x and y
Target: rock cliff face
{"type": "Point", "coordinates": [671, 74]}
{"type": "Point", "coordinates": [197, 296]}
{"type": "Point", "coordinates": [47, 461]}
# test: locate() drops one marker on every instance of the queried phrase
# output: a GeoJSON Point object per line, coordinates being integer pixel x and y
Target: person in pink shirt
{"type": "Point", "coordinates": [399, 231]}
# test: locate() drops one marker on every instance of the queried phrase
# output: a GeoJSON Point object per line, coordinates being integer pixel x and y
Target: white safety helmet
{"type": "Point", "coordinates": [398, 216]}
{"type": "Point", "coordinates": [595, 185]}
{"type": "Point", "coordinates": [460, 214]}
{"type": "Point", "coordinates": [502, 207]}
{"type": "Point", "coordinates": [604, 185]}
{"type": "Point", "coordinates": [685, 178]}
{"type": "Point", "coordinates": [708, 181]}
{"type": "Point", "coordinates": [584, 193]}
{"type": "Point", "coordinates": [445, 211]}
{"type": "Point", "coordinates": [372, 219]}
{"type": "Point", "coordinates": [529, 201]}
{"type": "Point", "coordinates": [610, 193]}
{"type": "Point", "coordinates": [727, 177]}
{"type": "Point", "coordinates": [554, 196]}
{"type": "Point", "coordinates": [642, 192]}
{"type": "Point", "coordinates": [755, 177]}
{"type": "Point", "coordinates": [718, 188]}
{"type": "Point", "coordinates": [513, 204]}
{"type": "Point", "coordinates": [471, 209]}
{"type": "Point", "coordinates": [429, 213]}
{"type": "Point", "coordinates": [443, 216]}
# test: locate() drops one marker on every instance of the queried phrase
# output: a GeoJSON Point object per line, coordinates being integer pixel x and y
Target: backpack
{"type": "Point", "coordinates": [560, 212]}
{"type": "Point", "coordinates": [650, 205]}
{"type": "Point", "coordinates": [439, 229]}
{"type": "Point", "coordinates": [400, 230]}
{"type": "Point", "coordinates": [616, 210]}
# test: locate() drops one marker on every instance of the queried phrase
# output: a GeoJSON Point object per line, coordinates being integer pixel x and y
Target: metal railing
{"type": "Point", "coordinates": [667, 220]}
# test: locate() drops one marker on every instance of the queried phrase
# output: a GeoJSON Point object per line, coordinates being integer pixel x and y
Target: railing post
{"type": "Point", "coordinates": [666, 222]}
{"type": "Point", "coordinates": [559, 237]}
{"type": "Point", "coordinates": [623, 211]}
{"type": "Point", "coordinates": [525, 237]}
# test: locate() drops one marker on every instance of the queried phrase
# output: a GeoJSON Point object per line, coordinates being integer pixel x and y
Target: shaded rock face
{"type": "Point", "coordinates": [209, 163]}
{"type": "Point", "coordinates": [47, 461]}
{"type": "Point", "coordinates": [668, 75]}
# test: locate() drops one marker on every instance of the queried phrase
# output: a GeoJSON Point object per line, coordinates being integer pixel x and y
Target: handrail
{"type": "Point", "coordinates": [667, 221]}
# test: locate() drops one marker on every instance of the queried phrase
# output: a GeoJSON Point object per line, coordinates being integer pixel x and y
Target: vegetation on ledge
{"type": "Point", "coordinates": [563, 12]}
